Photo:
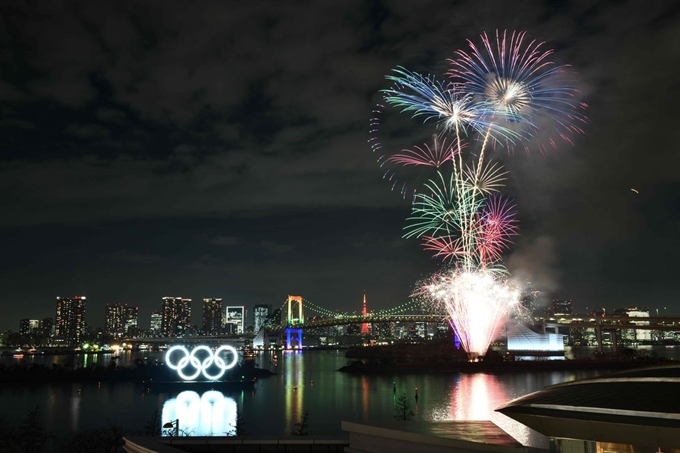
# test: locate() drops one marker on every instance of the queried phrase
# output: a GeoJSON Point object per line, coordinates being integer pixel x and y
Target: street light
{"type": "Point", "coordinates": [170, 425]}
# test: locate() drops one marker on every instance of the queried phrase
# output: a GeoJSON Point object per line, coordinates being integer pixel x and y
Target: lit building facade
{"type": "Point", "coordinates": [121, 319]}
{"type": "Point", "coordinates": [131, 320]}
{"type": "Point", "coordinates": [176, 316]}
{"type": "Point", "coordinates": [560, 308]}
{"type": "Point", "coordinates": [47, 327]}
{"type": "Point", "coordinates": [156, 323]}
{"type": "Point", "coordinates": [29, 326]}
{"type": "Point", "coordinates": [113, 319]}
{"type": "Point", "coordinates": [635, 335]}
{"type": "Point", "coordinates": [69, 322]}
{"type": "Point", "coordinates": [235, 319]}
{"type": "Point", "coordinates": [212, 316]}
{"type": "Point", "coordinates": [260, 314]}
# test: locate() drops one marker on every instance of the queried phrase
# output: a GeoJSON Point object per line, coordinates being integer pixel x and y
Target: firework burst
{"type": "Point", "coordinates": [505, 92]}
{"type": "Point", "coordinates": [432, 156]}
{"type": "Point", "coordinates": [447, 105]}
{"type": "Point", "coordinates": [478, 303]}
{"type": "Point", "coordinates": [515, 78]}
{"type": "Point", "coordinates": [440, 209]}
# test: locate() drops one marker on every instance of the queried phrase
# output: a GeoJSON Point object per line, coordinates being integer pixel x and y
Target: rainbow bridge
{"type": "Point", "coordinates": [294, 322]}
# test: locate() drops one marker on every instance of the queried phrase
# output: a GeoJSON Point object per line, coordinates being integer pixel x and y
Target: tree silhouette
{"type": "Point", "coordinates": [402, 408]}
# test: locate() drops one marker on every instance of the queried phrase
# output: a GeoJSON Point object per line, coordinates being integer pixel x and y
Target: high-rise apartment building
{"type": "Point", "coordinates": [156, 323]}
{"type": "Point", "coordinates": [69, 322]}
{"type": "Point", "coordinates": [114, 319]}
{"type": "Point", "coordinates": [29, 326]}
{"type": "Point", "coordinates": [176, 316]}
{"type": "Point", "coordinates": [212, 316]}
{"type": "Point", "coordinates": [121, 319]}
{"type": "Point", "coordinates": [260, 314]}
{"type": "Point", "coordinates": [130, 320]}
{"type": "Point", "coordinates": [46, 327]}
{"type": "Point", "coordinates": [235, 318]}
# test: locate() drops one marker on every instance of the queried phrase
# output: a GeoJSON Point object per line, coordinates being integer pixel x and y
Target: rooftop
{"type": "Point", "coordinates": [642, 404]}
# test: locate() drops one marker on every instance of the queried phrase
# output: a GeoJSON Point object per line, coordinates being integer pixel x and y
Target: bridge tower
{"type": "Point", "coordinates": [364, 312]}
{"type": "Point", "coordinates": [295, 314]}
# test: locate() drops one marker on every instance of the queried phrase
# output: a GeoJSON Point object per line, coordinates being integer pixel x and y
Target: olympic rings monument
{"type": "Point", "coordinates": [201, 361]}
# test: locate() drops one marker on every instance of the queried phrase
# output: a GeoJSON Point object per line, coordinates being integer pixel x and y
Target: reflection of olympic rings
{"type": "Point", "coordinates": [191, 359]}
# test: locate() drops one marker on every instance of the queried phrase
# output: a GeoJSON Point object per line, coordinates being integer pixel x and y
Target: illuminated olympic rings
{"type": "Point", "coordinates": [190, 358]}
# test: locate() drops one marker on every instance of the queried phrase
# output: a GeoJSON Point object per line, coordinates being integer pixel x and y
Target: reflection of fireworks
{"type": "Point", "coordinates": [478, 303]}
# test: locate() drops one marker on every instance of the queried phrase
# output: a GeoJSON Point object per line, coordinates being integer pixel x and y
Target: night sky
{"type": "Point", "coordinates": [219, 149]}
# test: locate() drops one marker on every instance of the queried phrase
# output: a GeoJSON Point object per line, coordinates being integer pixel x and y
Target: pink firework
{"type": "Point", "coordinates": [446, 248]}
{"type": "Point", "coordinates": [495, 225]}
{"type": "Point", "coordinates": [434, 156]}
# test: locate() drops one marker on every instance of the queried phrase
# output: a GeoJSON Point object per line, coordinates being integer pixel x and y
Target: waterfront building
{"type": "Point", "coordinates": [560, 308]}
{"type": "Point", "coordinates": [29, 326]}
{"type": "Point", "coordinates": [175, 316]}
{"type": "Point", "coordinates": [212, 316]}
{"type": "Point", "coordinates": [235, 317]}
{"type": "Point", "coordinates": [420, 330]}
{"type": "Point", "coordinates": [260, 313]}
{"type": "Point", "coordinates": [525, 344]}
{"type": "Point", "coordinates": [635, 335]}
{"type": "Point", "coordinates": [401, 330]}
{"type": "Point", "coordinates": [156, 323]}
{"type": "Point", "coordinates": [113, 320]}
{"type": "Point", "coordinates": [629, 411]}
{"type": "Point", "coordinates": [131, 320]}
{"type": "Point", "coordinates": [69, 325]}
{"type": "Point", "coordinates": [47, 327]}
{"type": "Point", "coordinates": [121, 319]}
{"type": "Point", "coordinates": [383, 330]}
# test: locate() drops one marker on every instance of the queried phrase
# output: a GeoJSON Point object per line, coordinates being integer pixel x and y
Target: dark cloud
{"type": "Point", "coordinates": [158, 147]}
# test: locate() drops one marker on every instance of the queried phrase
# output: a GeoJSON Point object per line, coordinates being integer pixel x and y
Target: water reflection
{"type": "Point", "coordinates": [75, 408]}
{"type": "Point", "coordinates": [476, 396]}
{"type": "Point", "coordinates": [364, 395]}
{"type": "Point", "coordinates": [209, 414]}
{"type": "Point", "coordinates": [294, 387]}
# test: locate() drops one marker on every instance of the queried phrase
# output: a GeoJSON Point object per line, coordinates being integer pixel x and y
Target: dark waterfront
{"type": "Point", "coordinates": [304, 381]}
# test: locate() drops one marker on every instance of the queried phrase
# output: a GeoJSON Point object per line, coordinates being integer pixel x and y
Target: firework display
{"type": "Point", "coordinates": [505, 93]}
{"type": "Point", "coordinates": [477, 303]}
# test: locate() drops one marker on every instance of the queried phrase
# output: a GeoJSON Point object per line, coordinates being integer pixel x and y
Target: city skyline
{"type": "Point", "coordinates": [221, 152]}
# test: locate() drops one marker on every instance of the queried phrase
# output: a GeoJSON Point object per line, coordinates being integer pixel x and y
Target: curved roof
{"type": "Point", "coordinates": [641, 405]}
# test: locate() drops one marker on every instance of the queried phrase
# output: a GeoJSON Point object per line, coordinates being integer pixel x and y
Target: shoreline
{"type": "Point", "coordinates": [359, 367]}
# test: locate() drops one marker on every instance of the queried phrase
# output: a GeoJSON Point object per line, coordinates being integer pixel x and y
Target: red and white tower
{"type": "Point", "coordinates": [364, 312]}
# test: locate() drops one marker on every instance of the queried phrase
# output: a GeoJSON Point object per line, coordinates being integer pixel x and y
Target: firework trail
{"type": "Point", "coordinates": [496, 95]}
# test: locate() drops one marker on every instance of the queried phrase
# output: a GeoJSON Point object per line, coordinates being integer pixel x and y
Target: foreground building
{"type": "Point", "coordinates": [630, 411]}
